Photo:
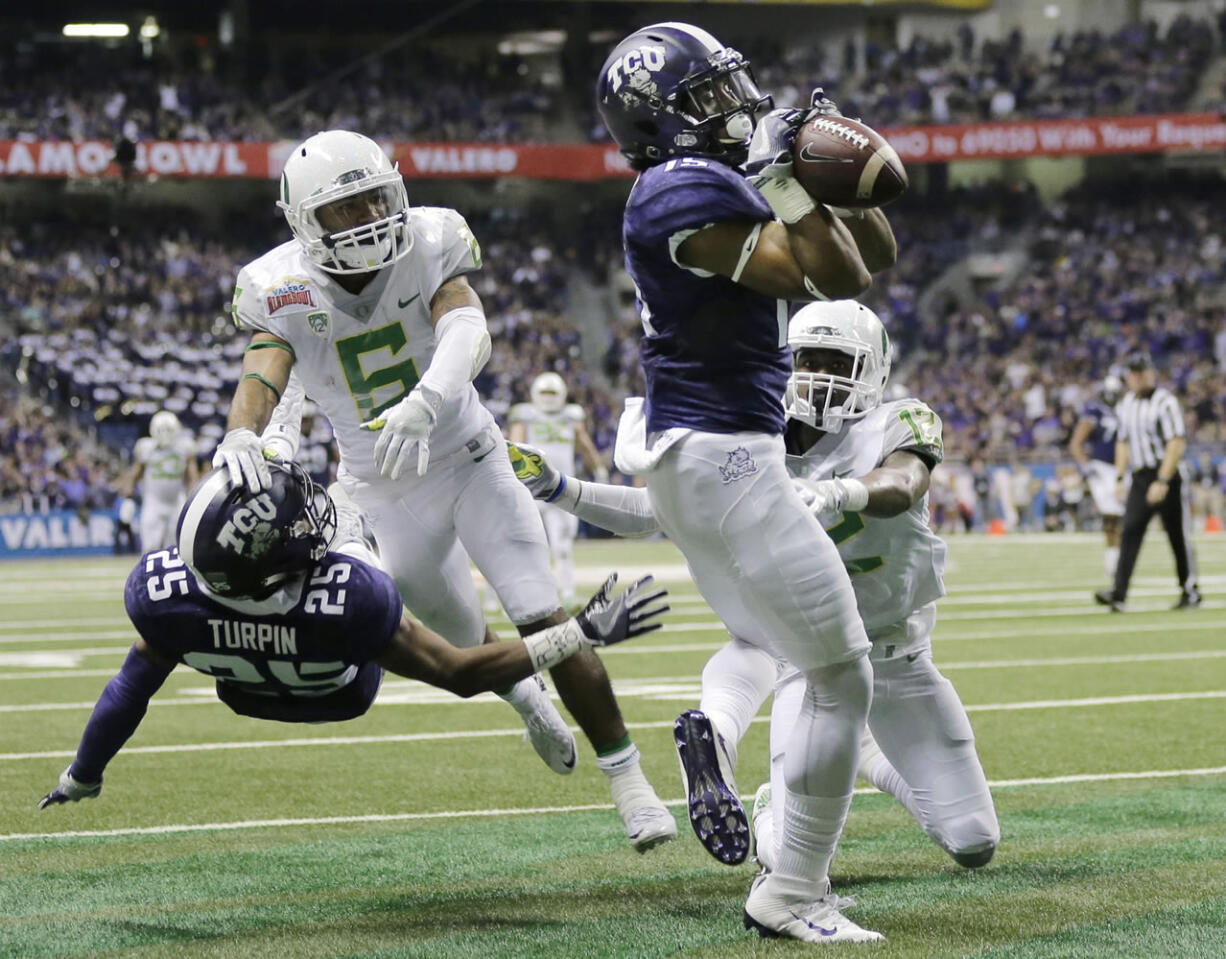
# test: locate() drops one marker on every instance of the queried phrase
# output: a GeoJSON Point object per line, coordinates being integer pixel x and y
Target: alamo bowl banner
{"type": "Point", "coordinates": [60, 533]}
{"type": "Point", "coordinates": [1173, 133]}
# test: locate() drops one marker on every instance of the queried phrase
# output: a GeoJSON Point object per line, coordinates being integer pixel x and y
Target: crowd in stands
{"type": "Point", "coordinates": [964, 79]}
{"type": "Point", "coordinates": [49, 93]}
{"type": "Point", "coordinates": [468, 92]}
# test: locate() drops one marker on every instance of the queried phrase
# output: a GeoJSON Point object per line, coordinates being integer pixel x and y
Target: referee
{"type": "Point", "coordinates": [1151, 442]}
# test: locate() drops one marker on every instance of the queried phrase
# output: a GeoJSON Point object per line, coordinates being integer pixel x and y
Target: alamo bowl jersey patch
{"type": "Point", "coordinates": [290, 291]}
{"type": "Point", "coordinates": [740, 464]}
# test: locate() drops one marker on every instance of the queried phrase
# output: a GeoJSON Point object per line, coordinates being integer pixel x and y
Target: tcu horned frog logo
{"type": "Point", "coordinates": [636, 68]}
{"type": "Point", "coordinates": [740, 464]}
{"type": "Point", "coordinates": [244, 521]}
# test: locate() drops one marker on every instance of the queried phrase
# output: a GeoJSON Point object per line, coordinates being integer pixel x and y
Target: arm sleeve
{"type": "Point", "coordinates": [625, 510]}
{"type": "Point", "coordinates": [119, 711]}
{"type": "Point", "coordinates": [284, 430]}
{"type": "Point", "coordinates": [462, 346]}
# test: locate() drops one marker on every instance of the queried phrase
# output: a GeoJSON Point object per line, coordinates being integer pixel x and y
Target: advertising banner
{"type": "Point", "coordinates": [60, 533]}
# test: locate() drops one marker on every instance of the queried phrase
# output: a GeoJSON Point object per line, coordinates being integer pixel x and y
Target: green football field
{"type": "Point", "coordinates": [429, 828]}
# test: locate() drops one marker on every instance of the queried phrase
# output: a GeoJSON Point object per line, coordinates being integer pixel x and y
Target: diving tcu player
{"type": "Point", "coordinates": [715, 257]}
{"type": "Point", "coordinates": [845, 448]}
{"type": "Point", "coordinates": [288, 608]}
{"type": "Point", "coordinates": [369, 306]}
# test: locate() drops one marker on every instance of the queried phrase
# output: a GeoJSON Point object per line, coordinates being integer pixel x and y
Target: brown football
{"type": "Point", "coordinates": [843, 162]}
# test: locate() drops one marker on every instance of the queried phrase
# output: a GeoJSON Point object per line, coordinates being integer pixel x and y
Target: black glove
{"type": "Point", "coordinates": [606, 620]}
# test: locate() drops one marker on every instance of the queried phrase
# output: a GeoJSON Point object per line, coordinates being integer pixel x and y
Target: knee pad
{"type": "Point", "coordinates": [974, 858]}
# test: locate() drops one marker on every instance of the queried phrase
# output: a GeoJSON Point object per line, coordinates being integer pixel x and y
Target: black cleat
{"type": "Point", "coordinates": [1188, 600]}
{"type": "Point", "coordinates": [1104, 597]}
{"type": "Point", "coordinates": [715, 809]}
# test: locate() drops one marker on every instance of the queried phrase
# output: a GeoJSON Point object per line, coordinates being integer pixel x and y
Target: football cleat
{"type": "Point", "coordinates": [1188, 600]}
{"type": "Point", "coordinates": [545, 728]}
{"type": "Point", "coordinates": [763, 829]}
{"type": "Point", "coordinates": [649, 825]}
{"type": "Point", "coordinates": [1105, 597]}
{"type": "Point", "coordinates": [775, 917]}
{"type": "Point", "coordinates": [715, 809]}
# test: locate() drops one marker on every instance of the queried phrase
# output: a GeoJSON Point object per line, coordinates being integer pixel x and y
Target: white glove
{"type": "Point", "coordinates": [242, 453]}
{"type": "Point", "coordinates": [70, 790]}
{"type": "Point", "coordinates": [828, 498]}
{"type": "Point", "coordinates": [405, 425]}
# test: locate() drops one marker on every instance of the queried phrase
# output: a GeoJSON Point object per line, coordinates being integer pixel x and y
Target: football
{"type": "Point", "coordinates": [843, 162]}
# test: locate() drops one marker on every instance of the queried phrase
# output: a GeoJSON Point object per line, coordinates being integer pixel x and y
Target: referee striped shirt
{"type": "Point", "coordinates": [1147, 424]}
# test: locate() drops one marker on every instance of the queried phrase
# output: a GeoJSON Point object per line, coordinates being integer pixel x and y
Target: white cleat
{"type": "Point", "coordinates": [820, 922]}
{"type": "Point", "coordinates": [545, 728]}
{"type": "Point", "coordinates": [762, 834]}
{"type": "Point", "coordinates": [648, 825]}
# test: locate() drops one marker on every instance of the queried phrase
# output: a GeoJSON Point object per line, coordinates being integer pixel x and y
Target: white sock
{"type": "Point", "coordinates": [735, 684]}
{"type": "Point", "coordinates": [1111, 559]}
{"type": "Point", "coordinates": [878, 771]}
{"type": "Point", "coordinates": [811, 829]}
{"type": "Point", "coordinates": [626, 779]}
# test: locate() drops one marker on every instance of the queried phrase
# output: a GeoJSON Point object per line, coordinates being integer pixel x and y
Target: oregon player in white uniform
{"type": "Point", "coordinates": [558, 429]}
{"type": "Point", "coordinates": [369, 306]}
{"type": "Point", "coordinates": [863, 467]}
{"type": "Point", "coordinates": [164, 469]}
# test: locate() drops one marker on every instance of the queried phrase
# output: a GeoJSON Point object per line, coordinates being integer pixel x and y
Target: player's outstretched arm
{"type": "Point", "coordinates": [267, 362]}
{"type": "Point", "coordinates": [889, 490]}
{"type": "Point", "coordinates": [419, 653]}
{"type": "Point", "coordinates": [120, 709]}
{"type": "Point", "coordinates": [624, 510]}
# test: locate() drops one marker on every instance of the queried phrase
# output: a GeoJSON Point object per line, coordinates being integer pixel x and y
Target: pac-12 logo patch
{"type": "Point", "coordinates": [740, 464]}
{"type": "Point", "coordinates": [318, 322]}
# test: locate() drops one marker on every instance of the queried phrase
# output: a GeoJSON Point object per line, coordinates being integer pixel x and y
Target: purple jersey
{"type": "Point", "coordinates": [303, 655]}
{"type": "Point", "coordinates": [714, 352]}
{"type": "Point", "coordinates": [1101, 444]}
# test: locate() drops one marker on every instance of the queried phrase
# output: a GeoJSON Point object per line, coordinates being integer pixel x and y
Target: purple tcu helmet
{"type": "Point", "coordinates": [672, 89]}
{"type": "Point", "coordinates": [244, 545]}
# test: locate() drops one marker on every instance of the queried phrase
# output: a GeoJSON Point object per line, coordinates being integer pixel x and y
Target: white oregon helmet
{"type": "Point", "coordinates": [335, 165]}
{"type": "Point", "coordinates": [823, 400]}
{"type": "Point", "coordinates": [1111, 388]}
{"type": "Point", "coordinates": [548, 393]}
{"type": "Point", "coordinates": [164, 427]}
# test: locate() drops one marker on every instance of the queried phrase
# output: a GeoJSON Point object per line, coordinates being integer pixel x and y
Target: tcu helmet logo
{"type": "Point", "coordinates": [242, 521]}
{"type": "Point", "coordinates": [636, 68]}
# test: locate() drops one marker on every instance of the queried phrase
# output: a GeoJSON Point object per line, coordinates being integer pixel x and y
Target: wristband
{"type": "Point", "coordinates": [857, 495]}
{"type": "Point", "coordinates": [552, 645]}
{"type": "Point", "coordinates": [566, 496]}
{"type": "Point", "coordinates": [787, 198]}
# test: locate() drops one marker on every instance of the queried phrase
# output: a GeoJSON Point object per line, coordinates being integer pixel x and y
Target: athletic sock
{"type": "Point", "coordinates": [1111, 559]}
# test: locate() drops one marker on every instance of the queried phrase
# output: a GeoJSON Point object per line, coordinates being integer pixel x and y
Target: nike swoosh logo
{"type": "Point", "coordinates": [807, 154]}
{"type": "Point", "coordinates": [403, 303]}
{"type": "Point", "coordinates": [824, 932]}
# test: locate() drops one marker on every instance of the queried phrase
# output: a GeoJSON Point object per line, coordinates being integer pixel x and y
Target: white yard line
{"type": "Point", "coordinates": [685, 689]}
{"type": "Point", "coordinates": [179, 828]}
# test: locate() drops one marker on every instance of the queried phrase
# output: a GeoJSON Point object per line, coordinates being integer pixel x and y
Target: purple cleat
{"type": "Point", "coordinates": [715, 808]}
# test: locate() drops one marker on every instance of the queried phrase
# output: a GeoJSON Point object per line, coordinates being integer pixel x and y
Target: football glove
{"type": "Point", "coordinates": [70, 790]}
{"type": "Point", "coordinates": [770, 165]}
{"type": "Point", "coordinates": [606, 619]}
{"type": "Point", "coordinates": [243, 454]}
{"type": "Point", "coordinates": [533, 470]}
{"type": "Point", "coordinates": [405, 425]}
{"type": "Point", "coordinates": [828, 498]}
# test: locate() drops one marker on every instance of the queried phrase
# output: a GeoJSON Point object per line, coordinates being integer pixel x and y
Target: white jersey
{"type": "Point", "coordinates": [552, 433]}
{"type": "Point", "coordinates": [164, 467]}
{"type": "Point", "coordinates": [897, 563]}
{"type": "Point", "coordinates": [359, 354]}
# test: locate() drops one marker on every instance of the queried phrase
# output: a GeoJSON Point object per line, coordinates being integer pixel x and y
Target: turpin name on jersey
{"type": "Point", "coordinates": [258, 637]}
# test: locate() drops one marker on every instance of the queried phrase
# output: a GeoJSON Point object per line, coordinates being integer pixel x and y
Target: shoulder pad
{"type": "Point", "coordinates": [574, 412]}
{"type": "Point", "coordinates": [522, 413]}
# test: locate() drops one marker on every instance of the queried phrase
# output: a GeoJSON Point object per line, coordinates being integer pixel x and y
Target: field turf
{"type": "Point", "coordinates": [429, 828]}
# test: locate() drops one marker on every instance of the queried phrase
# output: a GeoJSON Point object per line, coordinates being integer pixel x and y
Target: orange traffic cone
{"type": "Point", "coordinates": [1213, 524]}
{"type": "Point", "coordinates": [996, 528]}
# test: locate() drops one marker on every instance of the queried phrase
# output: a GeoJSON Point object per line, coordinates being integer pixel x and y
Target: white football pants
{"type": "Point", "coordinates": [560, 530]}
{"type": "Point", "coordinates": [428, 526]}
{"type": "Point", "coordinates": [158, 520]}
